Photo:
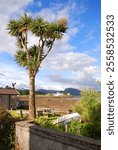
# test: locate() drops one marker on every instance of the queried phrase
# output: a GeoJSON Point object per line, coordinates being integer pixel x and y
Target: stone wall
{"type": "Point", "coordinates": [33, 137]}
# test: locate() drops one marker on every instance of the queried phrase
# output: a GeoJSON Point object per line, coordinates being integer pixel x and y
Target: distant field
{"type": "Point", "coordinates": [53, 102]}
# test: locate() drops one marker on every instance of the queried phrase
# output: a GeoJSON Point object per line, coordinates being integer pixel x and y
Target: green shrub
{"type": "Point", "coordinates": [7, 124]}
{"type": "Point", "coordinates": [7, 127]}
{"type": "Point", "coordinates": [48, 123]}
{"type": "Point", "coordinates": [74, 127]}
{"type": "Point", "coordinates": [17, 115]}
{"type": "Point", "coordinates": [90, 130]}
{"type": "Point", "coordinates": [89, 108]}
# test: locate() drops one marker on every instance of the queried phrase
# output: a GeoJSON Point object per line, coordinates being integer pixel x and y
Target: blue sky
{"type": "Point", "coordinates": [74, 61]}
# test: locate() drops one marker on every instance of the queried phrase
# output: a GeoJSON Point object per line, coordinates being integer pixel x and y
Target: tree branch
{"type": "Point", "coordinates": [24, 44]}
{"type": "Point", "coordinates": [48, 50]}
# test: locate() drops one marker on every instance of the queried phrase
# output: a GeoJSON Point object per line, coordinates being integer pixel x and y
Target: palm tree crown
{"type": "Point", "coordinates": [45, 31]}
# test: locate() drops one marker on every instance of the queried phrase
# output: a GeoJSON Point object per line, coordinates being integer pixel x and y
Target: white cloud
{"type": "Point", "coordinates": [79, 80]}
{"type": "Point", "coordinates": [2, 75]}
{"type": "Point", "coordinates": [8, 10]}
{"type": "Point", "coordinates": [71, 61]}
{"type": "Point", "coordinates": [72, 69]}
{"type": "Point", "coordinates": [35, 3]}
{"type": "Point", "coordinates": [12, 6]}
{"type": "Point", "coordinates": [62, 59]}
{"type": "Point", "coordinates": [96, 50]}
{"type": "Point", "coordinates": [92, 69]}
{"type": "Point", "coordinates": [12, 74]}
{"type": "Point", "coordinates": [56, 11]}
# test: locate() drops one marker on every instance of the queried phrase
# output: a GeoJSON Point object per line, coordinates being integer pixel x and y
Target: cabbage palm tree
{"type": "Point", "coordinates": [32, 57]}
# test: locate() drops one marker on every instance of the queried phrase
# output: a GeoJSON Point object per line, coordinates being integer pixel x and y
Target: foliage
{"type": "Point", "coordinates": [7, 127]}
{"type": "Point", "coordinates": [90, 130]}
{"type": "Point", "coordinates": [23, 92]}
{"type": "Point", "coordinates": [89, 108]}
{"type": "Point", "coordinates": [48, 123]}
{"type": "Point", "coordinates": [26, 92]}
{"type": "Point", "coordinates": [17, 115]}
{"type": "Point", "coordinates": [7, 124]}
{"type": "Point", "coordinates": [74, 127]}
{"type": "Point", "coordinates": [47, 33]}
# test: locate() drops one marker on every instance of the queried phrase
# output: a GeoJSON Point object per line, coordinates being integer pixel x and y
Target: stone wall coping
{"type": "Point", "coordinates": [62, 137]}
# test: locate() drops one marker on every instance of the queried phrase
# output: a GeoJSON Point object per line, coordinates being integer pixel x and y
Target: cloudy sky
{"type": "Point", "coordinates": [73, 62]}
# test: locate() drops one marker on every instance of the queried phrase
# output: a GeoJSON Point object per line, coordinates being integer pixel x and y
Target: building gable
{"type": "Point", "coordinates": [8, 91]}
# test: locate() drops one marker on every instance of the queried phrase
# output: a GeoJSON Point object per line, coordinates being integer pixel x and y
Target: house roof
{"type": "Point", "coordinates": [8, 91]}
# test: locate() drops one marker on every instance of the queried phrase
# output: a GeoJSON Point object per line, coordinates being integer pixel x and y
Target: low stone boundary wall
{"type": "Point", "coordinates": [33, 137]}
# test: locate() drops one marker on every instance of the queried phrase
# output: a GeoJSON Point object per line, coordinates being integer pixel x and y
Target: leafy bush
{"type": "Point", "coordinates": [48, 123]}
{"type": "Point", "coordinates": [74, 127]}
{"type": "Point", "coordinates": [17, 115]}
{"type": "Point", "coordinates": [7, 127]}
{"type": "Point", "coordinates": [7, 124]}
{"type": "Point", "coordinates": [85, 129]}
{"type": "Point", "coordinates": [90, 130]}
{"type": "Point", "coordinates": [89, 107]}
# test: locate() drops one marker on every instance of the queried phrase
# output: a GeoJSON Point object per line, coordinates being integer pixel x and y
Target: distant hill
{"type": "Point", "coordinates": [72, 91]}
{"type": "Point", "coordinates": [46, 91]}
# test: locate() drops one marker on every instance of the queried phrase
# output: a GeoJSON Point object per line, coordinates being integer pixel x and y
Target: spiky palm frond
{"type": "Point", "coordinates": [20, 57]}
{"type": "Point", "coordinates": [38, 26]}
{"type": "Point", "coordinates": [25, 22]}
{"type": "Point", "coordinates": [56, 30]}
{"type": "Point", "coordinates": [14, 27]}
{"type": "Point", "coordinates": [33, 60]}
{"type": "Point", "coordinates": [47, 33]}
{"type": "Point", "coordinates": [33, 53]}
{"type": "Point", "coordinates": [19, 43]}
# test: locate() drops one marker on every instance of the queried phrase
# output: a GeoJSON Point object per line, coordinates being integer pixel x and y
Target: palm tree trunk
{"type": "Point", "coordinates": [32, 108]}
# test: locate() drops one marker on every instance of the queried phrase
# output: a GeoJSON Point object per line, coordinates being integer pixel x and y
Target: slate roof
{"type": "Point", "coordinates": [8, 91]}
